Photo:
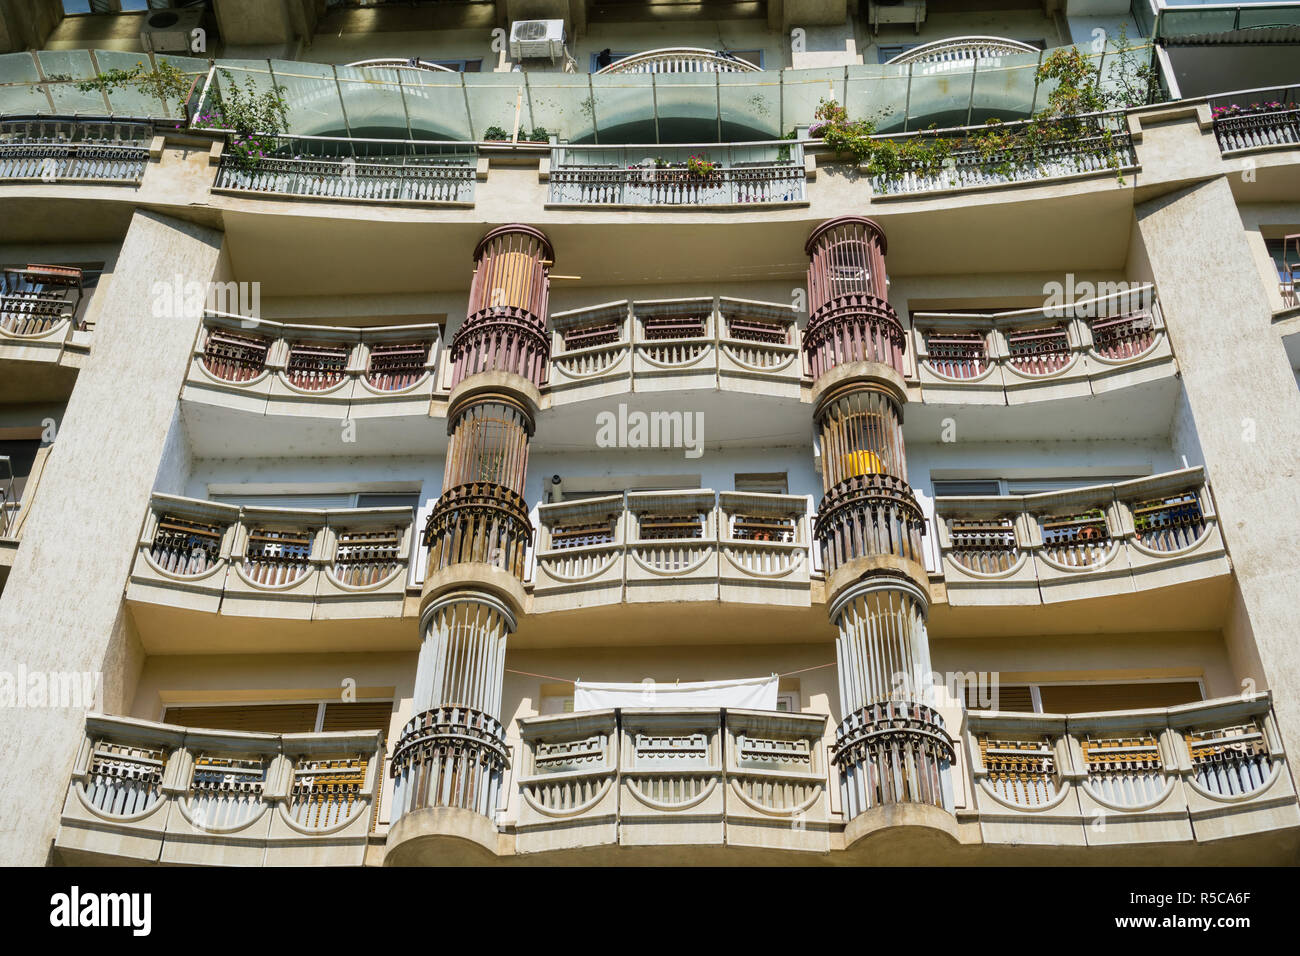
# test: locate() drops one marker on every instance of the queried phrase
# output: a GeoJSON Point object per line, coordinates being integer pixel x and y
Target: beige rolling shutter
{"type": "Point", "coordinates": [250, 718]}
{"type": "Point", "coordinates": [1084, 698]}
{"type": "Point", "coordinates": [362, 715]}
{"type": "Point", "coordinates": [1013, 697]}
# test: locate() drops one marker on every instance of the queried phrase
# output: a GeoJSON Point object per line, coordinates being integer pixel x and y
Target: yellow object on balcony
{"type": "Point", "coordinates": [862, 463]}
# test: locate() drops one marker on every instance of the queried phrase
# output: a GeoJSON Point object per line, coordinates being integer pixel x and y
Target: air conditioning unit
{"type": "Point", "coordinates": [170, 31]}
{"type": "Point", "coordinates": [896, 11]}
{"type": "Point", "coordinates": [530, 39]}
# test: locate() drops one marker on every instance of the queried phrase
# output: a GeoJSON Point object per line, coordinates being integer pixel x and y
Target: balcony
{"type": "Point", "coordinates": [679, 60]}
{"type": "Point", "coordinates": [673, 546]}
{"type": "Point", "coordinates": [1199, 772]}
{"type": "Point", "coordinates": [38, 316]}
{"type": "Point", "coordinates": [704, 777]}
{"type": "Point", "coordinates": [678, 177]}
{"type": "Point", "coordinates": [143, 792]}
{"type": "Point", "coordinates": [1103, 147]}
{"type": "Point", "coordinates": [307, 565]}
{"type": "Point", "coordinates": [706, 343]}
{"type": "Point", "coordinates": [354, 170]}
{"type": "Point", "coordinates": [1031, 355]}
{"type": "Point", "coordinates": [1087, 542]}
{"type": "Point", "coordinates": [1255, 120]}
{"type": "Point", "coordinates": [73, 151]}
{"type": "Point", "coordinates": [329, 372]}
{"type": "Point", "coordinates": [647, 784]}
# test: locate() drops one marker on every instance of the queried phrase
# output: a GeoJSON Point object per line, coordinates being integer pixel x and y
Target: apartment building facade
{"type": "Point", "coordinates": [548, 448]}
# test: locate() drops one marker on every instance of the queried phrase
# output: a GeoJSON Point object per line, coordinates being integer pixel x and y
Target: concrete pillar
{"type": "Point", "coordinates": [62, 608]}
{"type": "Point", "coordinates": [1246, 409]}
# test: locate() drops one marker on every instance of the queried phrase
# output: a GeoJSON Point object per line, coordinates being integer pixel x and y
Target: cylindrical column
{"type": "Point", "coordinates": [890, 747]}
{"type": "Point", "coordinates": [481, 516]}
{"type": "Point", "coordinates": [453, 752]}
{"type": "Point", "coordinates": [849, 315]}
{"type": "Point", "coordinates": [505, 326]}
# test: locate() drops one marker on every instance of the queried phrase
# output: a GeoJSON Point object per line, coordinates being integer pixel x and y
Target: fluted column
{"type": "Point", "coordinates": [505, 328]}
{"type": "Point", "coordinates": [453, 753]}
{"type": "Point", "coordinates": [890, 747]}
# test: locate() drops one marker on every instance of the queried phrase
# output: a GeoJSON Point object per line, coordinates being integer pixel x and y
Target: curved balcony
{"type": "Point", "coordinates": [39, 321]}
{"type": "Point", "coordinates": [680, 59]}
{"type": "Point", "coordinates": [673, 546]}
{"type": "Point", "coordinates": [397, 63]}
{"type": "Point", "coordinates": [501, 339]}
{"type": "Point", "coordinates": [354, 170]}
{"type": "Point", "coordinates": [1088, 542]}
{"type": "Point", "coordinates": [963, 50]}
{"type": "Point", "coordinates": [1197, 772]}
{"type": "Point", "coordinates": [143, 792]}
{"type": "Point", "coordinates": [678, 177]}
{"type": "Point", "coordinates": [854, 328]}
{"type": "Point", "coordinates": [479, 523]}
{"type": "Point", "coordinates": [449, 757]}
{"type": "Point", "coordinates": [1089, 347]}
{"type": "Point", "coordinates": [327, 372]}
{"type": "Point", "coordinates": [642, 777]}
{"type": "Point", "coordinates": [73, 151]}
{"type": "Point", "coordinates": [869, 516]}
{"type": "Point", "coordinates": [1097, 144]}
{"type": "Point", "coordinates": [1256, 120]}
{"type": "Point", "coordinates": [893, 752]}
{"type": "Point", "coordinates": [273, 563]}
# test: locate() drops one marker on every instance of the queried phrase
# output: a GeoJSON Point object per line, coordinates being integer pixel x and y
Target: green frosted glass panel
{"type": "Point", "coordinates": [751, 105]}
{"type": "Point", "coordinates": [624, 107]}
{"type": "Point", "coordinates": [435, 103]}
{"type": "Point", "coordinates": [311, 97]}
{"type": "Point", "coordinates": [562, 103]}
{"type": "Point", "coordinates": [492, 100]}
{"type": "Point", "coordinates": [59, 65]}
{"type": "Point", "coordinates": [373, 101]}
{"type": "Point", "coordinates": [18, 68]}
{"type": "Point", "coordinates": [803, 89]}
{"type": "Point", "coordinates": [940, 94]}
{"type": "Point", "coordinates": [878, 93]}
{"type": "Point", "coordinates": [1004, 87]}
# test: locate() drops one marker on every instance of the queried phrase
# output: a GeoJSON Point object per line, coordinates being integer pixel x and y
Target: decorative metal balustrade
{"type": "Point", "coordinates": [1078, 543]}
{"type": "Point", "coordinates": [742, 174]}
{"type": "Point", "coordinates": [329, 371]}
{"type": "Point", "coordinates": [674, 545]}
{"type": "Point", "coordinates": [1073, 348]}
{"type": "Point", "coordinates": [450, 757]}
{"type": "Point", "coordinates": [354, 170]}
{"type": "Point", "coordinates": [1195, 772]}
{"type": "Point", "coordinates": [962, 50]}
{"type": "Point", "coordinates": [721, 342]}
{"type": "Point", "coordinates": [206, 555]}
{"type": "Point", "coordinates": [158, 793]}
{"type": "Point", "coordinates": [479, 523]}
{"type": "Point", "coordinates": [1256, 119]}
{"type": "Point", "coordinates": [893, 752]}
{"type": "Point", "coordinates": [682, 59]}
{"type": "Point", "coordinates": [34, 301]}
{"type": "Point", "coordinates": [1098, 143]}
{"type": "Point", "coordinates": [708, 776]}
{"type": "Point", "coordinates": [82, 151]}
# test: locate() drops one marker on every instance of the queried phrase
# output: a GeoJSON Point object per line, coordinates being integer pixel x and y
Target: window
{"type": "Point", "coordinates": [341, 499]}
{"type": "Point", "coordinates": [74, 7]}
{"type": "Point", "coordinates": [952, 487]}
{"type": "Point", "coordinates": [787, 702]}
{"type": "Point", "coordinates": [767, 483]}
{"type": "Point", "coordinates": [21, 453]}
{"type": "Point", "coordinates": [1084, 696]}
{"type": "Point", "coordinates": [885, 53]}
{"type": "Point", "coordinates": [460, 66]}
{"type": "Point", "coordinates": [605, 58]}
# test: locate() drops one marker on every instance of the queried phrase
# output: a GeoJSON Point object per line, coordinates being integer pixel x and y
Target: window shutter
{"type": "Point", "coordinates": [361, 715]}
{"type": "Point", "coordinates": [1084, 698]}
{"type": "Point", "coordinates": [250, 718]}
